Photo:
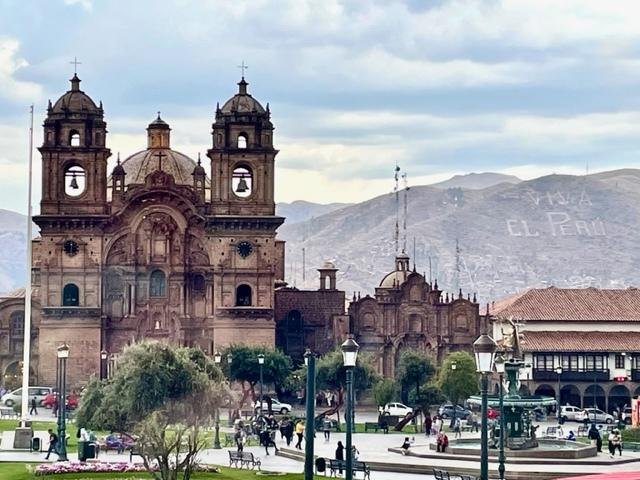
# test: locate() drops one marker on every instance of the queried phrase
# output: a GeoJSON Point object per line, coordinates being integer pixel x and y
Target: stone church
{"type": "Point", "coordinates": [158, 249]}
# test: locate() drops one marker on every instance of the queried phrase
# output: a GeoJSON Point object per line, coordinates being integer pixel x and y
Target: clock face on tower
{"type": "Point", "coordinates": [244, 249]}
{"type": "Point", "coordinates": [70, 247]}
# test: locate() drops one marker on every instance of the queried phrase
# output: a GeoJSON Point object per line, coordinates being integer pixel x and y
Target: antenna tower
{"type": "Point", "coordinates": [396, 191]}
{"type": "Point", "coordinates": [405, 187]}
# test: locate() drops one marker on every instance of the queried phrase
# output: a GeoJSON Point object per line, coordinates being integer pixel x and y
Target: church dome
{"type": "Point", "coordinates": [399, 275]}
{"type": "Point", "coordinates": [141, 164]}
{"type": "Point", "coordinates": [242, 102]}
{"type": "Point", "coordinates": [75, 101]}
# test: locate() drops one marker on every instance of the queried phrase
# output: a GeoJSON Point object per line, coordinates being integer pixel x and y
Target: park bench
{"type": "Point", "coordinates": [441, 474]}
{"type": "Point", "coordinates": [468, 477]}
{"type": "Point", "coordinates": [134, 450]}
{"type": "Point", "coordinates": [7, 412]}
{"type": "Point", "coordinates": [375, 426]}
{"type": "Point", "coordinates": [582, 431]}
{"type": "Point", "coordinates": [336, 466]}
{"type": "Point", "coordinates": [551, 432]}
{"type": "Point", "coordinates": [466, 427]}
{"type": "Point", "coordinates": [229, 439]}
{"type": "Point", "coordinates": [239, 459]}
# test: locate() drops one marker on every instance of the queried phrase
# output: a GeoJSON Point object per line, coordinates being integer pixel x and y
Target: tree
{"type": "Point", "coordinates": [164, 394]}
{"type": "Point", "coordinates": [331, 375]}
{"type": "Point", "coordinates": [460, 383]}
{"type": "Point", "coordinates": [414, 368]}
{"type": "Point", "coordinates": [244, 368]}
{"type": "Point", "coordinates": [385, 391]}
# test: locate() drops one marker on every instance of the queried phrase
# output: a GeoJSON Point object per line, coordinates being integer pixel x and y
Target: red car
{"type": "Point", "coordinates": [72, 401]}
{"type": "Point", "coordinates": [493, 413]}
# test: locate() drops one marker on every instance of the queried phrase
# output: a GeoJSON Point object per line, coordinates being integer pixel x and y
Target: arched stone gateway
{"type": "Point", "coordinates": [12, 376]}
{"type": "Point", "coordinates": [545, 391]}
{"type": "Point", "coordinates": [594, 395]}
{"type": "Point", "coordinates": [570, 395]}
{"type": "Point", "coordinates": [619, 397]}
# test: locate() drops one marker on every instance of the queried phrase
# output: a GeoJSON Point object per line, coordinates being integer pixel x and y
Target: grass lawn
{"type": "Point", "coordinates": [18, 471]}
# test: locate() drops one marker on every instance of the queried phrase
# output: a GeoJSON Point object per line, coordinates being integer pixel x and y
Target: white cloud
{"type": "Point", "coordinates": [85, 4]}
{"type": "Point", "coordinates": [12, 89]}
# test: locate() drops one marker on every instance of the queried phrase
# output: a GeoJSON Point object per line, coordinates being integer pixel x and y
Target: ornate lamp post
{"type": "Point", "coordinates": [216, 440]}
{"type": "Point", "coordinates": [453, 400]}
{"type": "Point", "coordinates": [103, 364]}
{"type": "Point", "coordinates": [261, 363]}
{"type": "Point", "coordinates": [559, 408]}
{"type": "Point", "coordinates": [499, 364]}
{"type": "Point", "coordinates": [63, 354]}
{"type": "Point", "coordinates": [310, 362]}
{"type": "Point", "coordinates": [349, 356]}
{"type": "Point", "coordinates": [484, 349]}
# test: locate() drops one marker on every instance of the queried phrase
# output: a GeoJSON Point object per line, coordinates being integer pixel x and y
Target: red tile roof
{"type": "Point", "coordinates": [580, 341]}
{"type": "Point", "coordinates": [571, 304]}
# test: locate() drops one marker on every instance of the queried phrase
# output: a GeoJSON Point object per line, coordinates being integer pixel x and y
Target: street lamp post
{"type": "Point", "coordinates": [499, 364]}
{"type": "Point", "coordinates": [484, 349]}
{"type": "Point", "coordinates": [63, 354]}
{"type": "Point", "coordinates": [558, 407]}
{"type": "Point", "coordinates": [349, 356]}
{"type": "Point", "coordinates": [216, 440]}
{"type": "Point", "coordinates": [261, 363]}
{"type": "Point", "coordinates": [454, 366]}
{"type": "Point", "coordinates": [310, 362]}
{"type": "Point", "coordinates": [103, 363]}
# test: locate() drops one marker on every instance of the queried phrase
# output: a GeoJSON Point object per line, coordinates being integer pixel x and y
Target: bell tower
{"type": "Point", "coordinates": [74, 156]}
{"type": "Point", "coordinates": [242, 157]}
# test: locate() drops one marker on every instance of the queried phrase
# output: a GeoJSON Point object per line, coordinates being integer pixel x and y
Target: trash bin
{"type": "Point", "coordinates": [321, 465]}
{"type": "Point", "coordinates": [86, 450]}
{"type": "Point", "coordinates": [36, 445]}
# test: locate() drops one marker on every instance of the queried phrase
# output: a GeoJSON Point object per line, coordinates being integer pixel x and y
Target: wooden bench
{"type": "Point", "coordinates": [466, 427]}
{"type": "Point", "coordinates": [7, 412]}
{"type": "Point", "coordinates": [468, 477]}
{"type": "Point", "coordinates": [551, 432]}
{"type": "Point", "coordinates": [240, 459]}
{"type": "Point", "coordinates": [582, 431]}
{"type": "Point", "coordinates": [336, 466]}
{"type": "Point", "coordinates": [135, 450]}
{"type": "Point", "coordinates": [229, 439]}
{"type": "Point", "coordinates": [375, 426]}
{"type": "Point", "coordinates": [441, 474]}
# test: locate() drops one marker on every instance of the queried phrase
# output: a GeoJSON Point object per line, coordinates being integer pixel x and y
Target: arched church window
{"type": "Point", "coordinates": [242, 181]}
{"type": "Point", "coordinates": [70, 295]}
{"type": "Point", "coordinates": [242, 140]}
{"type": "Point", "coordinates": [368, 321]}
{"type": "Point", "coordinates": [157, 284]}
{"type": "Point", "coordinates": [16, 331]}
{"type": "Point", "coordinates": [74, 138]}
{"type": "Point", "coordinates": [243, 296]}
{"type": "Point", "coordinates": [74, 180]}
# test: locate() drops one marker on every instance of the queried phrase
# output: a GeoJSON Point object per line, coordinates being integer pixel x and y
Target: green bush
{"type": "Point", "coordinates": [630, 435]}
{"type": "Point", "coordinates": [385, 391]}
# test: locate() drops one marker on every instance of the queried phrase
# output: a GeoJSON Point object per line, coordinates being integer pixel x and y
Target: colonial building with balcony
{"type": "Point", "coordinates": [580, 345]}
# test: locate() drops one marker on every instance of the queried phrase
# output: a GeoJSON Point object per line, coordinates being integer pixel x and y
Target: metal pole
{"type": "Point", "coordinates": [62, 451]}
{"type": "Point", "coordinates": [595, 386]}
{"type": "Point", "coordinates": [558, 407]}
{"type": "Point", "coordinates": [310, 415]}
{"type": "Point", "coordinates": [349, 467]}
{"type": "Point", "coordinates": [216, 439]}
{"type": "Point", "coordinates": [261, 397]}
{"type": "Point", "coordinates": [26, 345]}
{"type": "Point", "coordinates": [484, 440]}
{"type": "Point", "coordinates": [501, 458]}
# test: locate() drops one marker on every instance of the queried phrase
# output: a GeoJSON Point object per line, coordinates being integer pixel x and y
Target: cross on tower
{"type": "Point", "coordinates": [75, 64]}
{"type": "Point", "coordinates": [160, 156]}
{"type": "Point", "coordinates": [243, 67]}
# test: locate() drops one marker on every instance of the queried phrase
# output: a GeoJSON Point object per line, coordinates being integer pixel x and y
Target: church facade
{"type": "Point", "coordinates": [157, 249]}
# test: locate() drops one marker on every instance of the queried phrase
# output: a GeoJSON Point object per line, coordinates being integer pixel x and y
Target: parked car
{"type": "Point", "coordinates": [446, 411]}
{"type": "Point", "coordinates": [396, 408]}
{"type": "Point", "coordinates": [276, 406]}
{"type": "Point", "coordinates": [569, 412]}
{"type": "Point", "coordinates": [12, 398]}
{"type": "Point", "coordinates": [589, 414]}
{"type": "Point", "coordinates": [50, 399]}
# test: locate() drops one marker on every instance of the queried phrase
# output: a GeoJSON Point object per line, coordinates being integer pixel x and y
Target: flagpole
{"type": "Point", "coordinates": [26, 349]}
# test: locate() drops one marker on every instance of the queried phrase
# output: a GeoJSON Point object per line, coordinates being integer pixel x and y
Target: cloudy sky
{"type": "Point", "coordinates": [442, 87]}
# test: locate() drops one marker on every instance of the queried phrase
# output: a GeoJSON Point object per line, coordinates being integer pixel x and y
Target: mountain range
{"type": "Point", "coordinates": [488, 234]}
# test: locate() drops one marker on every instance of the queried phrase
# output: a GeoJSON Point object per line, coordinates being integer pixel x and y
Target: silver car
{"type": "Point", "coordinates": [15, 397]}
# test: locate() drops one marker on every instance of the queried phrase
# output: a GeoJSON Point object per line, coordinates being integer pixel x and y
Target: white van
{"type": "Point", "coordinates": [15, 397]}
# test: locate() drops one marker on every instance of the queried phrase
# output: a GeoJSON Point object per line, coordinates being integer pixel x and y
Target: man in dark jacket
{"type": "Point", "coordinates": [53, 443]}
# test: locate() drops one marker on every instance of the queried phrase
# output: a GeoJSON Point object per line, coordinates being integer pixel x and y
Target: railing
{"type": "Point", "coordinates": [580, 375]}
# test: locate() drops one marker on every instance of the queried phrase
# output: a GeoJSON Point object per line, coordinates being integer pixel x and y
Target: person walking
{"type": "Point", "coordinates": [267, 441]}
{"type": "Point", "coordinates": [326, 428]}
{"type": "Point", "coordinates": [53, 443]}
{"type": "Point", "coordinates": [354, 453]}
{"type": "Point", "coordinates": [34, 406]}
{"type": "Point", "coordinates": [457, 428]}
{"type": "Point", "coordinates": [340, 455]}
{"type": "Point", "coordinates": [615, 443]}
{"type": "Point", "coordinates": [239, 439]}
{"type": "Point", "coordinates": [439, 423]}
{"type": "Point", "coordinates": [300, 434]}
{"type": "Point", "coordinates": [428, 424]}
{"type": "Point", "coordinates": [55, 407]}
